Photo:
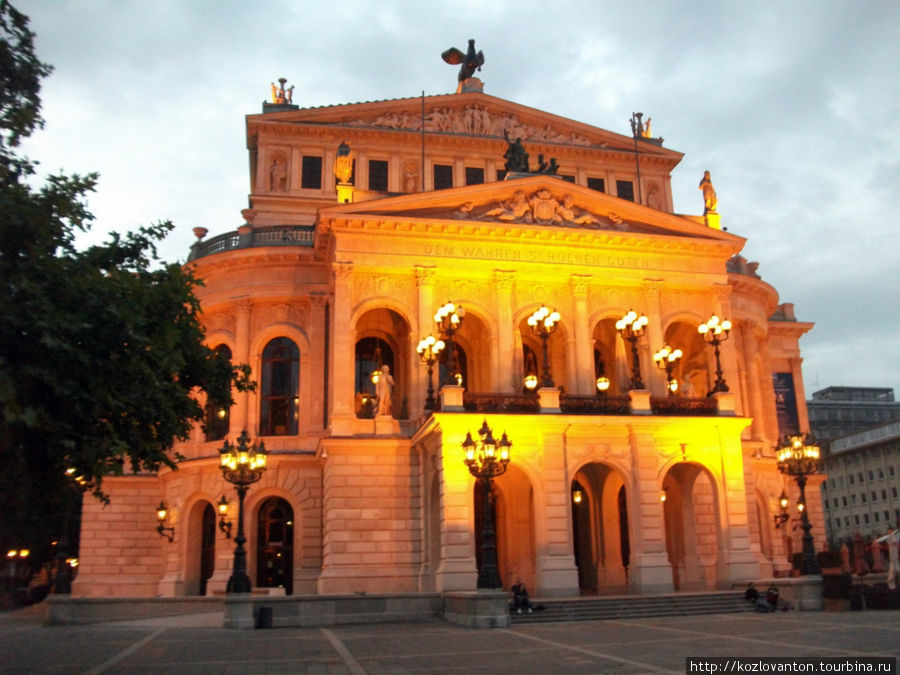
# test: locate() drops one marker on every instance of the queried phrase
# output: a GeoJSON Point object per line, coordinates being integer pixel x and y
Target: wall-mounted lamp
{"type": "Point", "coordinates": [664, 495]}
{"type": "Point", "coordinates": [531, 382]}
{"type": "Point", "coordinates": [577, 496]}
{"type": "Point", "coordinates": [224, 525]}
{"type": "Point", "coordinates": [783, 515]}
{"type": "Point", "coordinates": [161, 513]}
{"type": "Point", "coordinates": [602, 385]}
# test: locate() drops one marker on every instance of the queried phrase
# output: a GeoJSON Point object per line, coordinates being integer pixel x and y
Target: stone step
{"type": "Point", "coordinates": [631, 607]}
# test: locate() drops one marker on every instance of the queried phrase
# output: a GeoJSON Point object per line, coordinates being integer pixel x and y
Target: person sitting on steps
{"type": "Point", "coordinates": [520, 598]}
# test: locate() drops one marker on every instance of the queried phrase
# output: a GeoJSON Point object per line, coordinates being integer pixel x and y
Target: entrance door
{"type": "Point", "coordinates": [275, 549]}
{"type": "Point", "coordinates": [207, 546]}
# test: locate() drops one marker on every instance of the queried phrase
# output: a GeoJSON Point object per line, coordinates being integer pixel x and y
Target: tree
{"type": "Point", "coordinates": [102, 357]}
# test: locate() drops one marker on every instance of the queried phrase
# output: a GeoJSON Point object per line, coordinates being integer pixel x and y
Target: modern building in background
{"type": "Point", "coordinates": [862, 493]}
{"type": "Point", "coordinates": [364, 221]}
{"type": "Point", "coordinates": [839, 411]}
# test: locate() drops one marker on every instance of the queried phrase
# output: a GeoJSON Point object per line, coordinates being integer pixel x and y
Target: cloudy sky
{"type": "Point", "coordinates": [793, 107]}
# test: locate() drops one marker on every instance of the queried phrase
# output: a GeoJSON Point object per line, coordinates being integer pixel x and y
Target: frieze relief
{"type": "Point", "coordinates": [220, 321]}
{"type": "Point", "coordinates": [474, 120]}
{"type": "Point", "coordinates": [541, 207]}
{"type": "Point", "coordinates": [366, 287]}
{"type": "Point", "coordinates": [282, 313]}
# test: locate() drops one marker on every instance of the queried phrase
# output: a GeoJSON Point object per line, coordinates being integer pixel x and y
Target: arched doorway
{"type": "Point", "coordinates": [275, 545]}
{"type": "Point", "coordinates": [207, 546]}
{"type": "Point", "coordinates": [691, 515]}
{"type": "Point", "coordinates": [382, 339]}
{"type": "Point", "coordinates": [600, 532]}
{"type": "Point", "coordinates": [200, 560]}
{"type": "Point", "coordinates": [513, 510]}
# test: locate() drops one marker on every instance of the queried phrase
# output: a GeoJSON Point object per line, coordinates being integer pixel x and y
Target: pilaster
{"type": "Point", "coordinates": [505, 375]}
{"type": "Point", "coordinates": [584, 350]}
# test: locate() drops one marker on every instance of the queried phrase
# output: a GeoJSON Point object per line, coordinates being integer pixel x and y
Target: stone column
{"type": "Point", "coordinates": [317, 403]}
{"type": "Point", "coordinates": [584, 349]}
{"type": "Point", "coordinates": [240, 416]}
{"type": "Point", "coordinates": [425, 309]}
{"type": "Point", "coordinates": [650, 570]}
{"type": "Point", "coordinates": [654, 339]}
{"type": "Point", "coordinates": [342, 350]}
{"type": "Point", "coordinates": [750, 351]}
{"type": "Point", "coordinates": [505, 373]}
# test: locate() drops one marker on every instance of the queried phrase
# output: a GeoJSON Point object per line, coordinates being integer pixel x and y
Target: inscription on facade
{"type": "Point", "coordinates": [542, 255]}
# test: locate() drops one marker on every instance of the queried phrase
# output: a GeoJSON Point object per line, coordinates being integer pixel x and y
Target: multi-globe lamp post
{"type": "Point", "coordinates": [798, 456]}
{"type": "Point", "coordinates": [632, 328]}
{"type": "Point", "coordinates": [429, 349]}
{"type": "Point", "coordinates": [448, 320]}
{"type": "Point", "coordinates": [715, 331]}
{"type": "Point", "coordinates": [486, 460]}
{"type": "Point", "coordinates": [667, 359]}
{"type": "Point", "coordinates": [543, 324]}
{"type": "Point", "coordinates": [242, 465]}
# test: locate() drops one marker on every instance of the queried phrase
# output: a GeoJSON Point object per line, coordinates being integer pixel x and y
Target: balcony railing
{"type": "Point", "coordinates": [570, 404]}
{"type": "Point", "coordinates": [274, 235]}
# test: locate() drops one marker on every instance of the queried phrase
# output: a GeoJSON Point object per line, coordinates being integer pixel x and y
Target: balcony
{"type": "Point", "coordinates": [254, 237]}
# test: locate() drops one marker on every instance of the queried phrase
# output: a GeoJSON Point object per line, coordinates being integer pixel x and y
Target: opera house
{"type": "Point", "coordinates": [544, 255]}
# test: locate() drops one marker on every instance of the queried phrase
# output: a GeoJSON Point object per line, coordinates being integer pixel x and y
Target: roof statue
{"type": "Point", "coordinates": [470, 61]}
{"type": "Point", "coordinates": [280, 95]}
{"type": "Point", "coordinates": [343, 164]}
{"type": "Point", "coordinates": [517, 159]}
{"type": "Point", "coordinates": [710, 201]}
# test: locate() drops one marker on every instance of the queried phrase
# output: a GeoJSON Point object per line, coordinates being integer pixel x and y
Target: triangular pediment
{"type": "Point", "coordinates": [470, 115]}
{"type": "Point", "coordinates": [533, 201]}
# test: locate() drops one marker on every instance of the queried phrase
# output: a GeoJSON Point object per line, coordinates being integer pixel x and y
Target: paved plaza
{"type": "Point", "coordinates": [198, 644]}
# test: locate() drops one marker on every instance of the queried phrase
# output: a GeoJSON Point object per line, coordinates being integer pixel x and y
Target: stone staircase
{"type": "Point", "coordinates": [611, 607]}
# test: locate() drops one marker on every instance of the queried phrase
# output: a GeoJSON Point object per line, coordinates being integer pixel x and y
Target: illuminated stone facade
{"type": "Point", "coordinates": [324, 283]}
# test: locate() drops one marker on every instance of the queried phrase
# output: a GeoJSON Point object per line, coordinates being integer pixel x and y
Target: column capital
{"type": "Point", "coordinates": [425, 274]}
{"type": "Point", "coordinates": [342, 270]}
{"type": "Point", "coordinates": [579, 283]}
{"type": "Point", "coordinates": [504, 279]}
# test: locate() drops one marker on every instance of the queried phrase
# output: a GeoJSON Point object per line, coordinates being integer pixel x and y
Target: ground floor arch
{"type": "Point", "coordinates": [691, 517]}
{"type": "Point", "coordinates": [600, 531]}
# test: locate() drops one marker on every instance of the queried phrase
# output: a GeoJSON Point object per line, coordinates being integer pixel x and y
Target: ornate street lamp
{"type": "Point", "coordinates": [224, 525]}
{"type": "Point", "coordinates": [666, 359]}
{"type": "Point", "coordinates": [715, 331]}
{"type": "Point", "coordinates": [448, 320]}
{"type": "Point", "coordinates": [543, 324]}
{"type": "Point", "coordinates": [429, 349]}
{"type": "Point", "coordinates": [161, 514]}
{"type": "Point", "coordinates": [242, 465]}
{"type": "Point", "coordinates": [798, 456]}
{"type": "Point", "coordinates": [632, 327]}
{"type": "Point", "coordinates": [486, 460]}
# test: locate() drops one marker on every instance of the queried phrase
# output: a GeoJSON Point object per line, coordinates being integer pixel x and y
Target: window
{"type": "Point", "coordinates": [443, 176]}
{"type": "Point", "coordinates": [877, 516]}
{"type": "Point", "coordinates": [874, 496]}
{"type": "Point", "coordinates": [835, 502]}
{"type": "Point", "coordinates": [847, 521]}
{"type": "Point", "coordinates": [880, 473]}
{"type": "Point", "coordinates": [279, 388]}
{"type": "Point", "coordinates": [217, 417]}
{"type": "Point", "coordinates": [871, 475]}
{"type": "Point", "coordinates": [625, 190]}
{"type": "Point", "coordinates": [597, 184]}
{"type": "Point", "coordinates": [856, 519]}
{"type": "Point", "coordinates": [866, 518]}
{"type": "Point", "coordinates": [853, 499]}
{"type": "Point", "coordinates": [890, 470]}
{"type": "Point", "coordinates": [378, 175]}
{"type": "Point", "coordinates": [501, 174]}
{"type": "Point", "coordinates": [844, 500]}
{"type": "Point", "coordinates": [894, 491]}
{"type": "Point", "coordinates": [568, 179]}
{"type": "Point", "coordinates": [860, 476]}
{"type": "Point", "coordinates": [311, 174]}
{"type": "Point", "coordinates": [851, 479]}
{"type": "Point", "coordinates": [862, 498]}
{"type": "Point", "coordinates": [884, 494]}
{"type": "Point", "coordinates": [474, 175]}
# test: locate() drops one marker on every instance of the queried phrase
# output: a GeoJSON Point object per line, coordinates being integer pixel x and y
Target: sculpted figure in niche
{"type": "Point", "coordinates": [343, 164]}
{"type": "Point", "coordinates": [383, 391]}
{"type": "Point", "coordinates": [410, 177]}
{"type": "Point", "coordinates": [278, 176]}
{"type": "Point", "coordinates": [710, 201]}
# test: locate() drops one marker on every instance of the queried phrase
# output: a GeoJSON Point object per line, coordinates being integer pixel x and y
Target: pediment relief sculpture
{"type": "Point", "coordinates": [475, 120]}
{"type": "Point", "coordinates": [542, 208]}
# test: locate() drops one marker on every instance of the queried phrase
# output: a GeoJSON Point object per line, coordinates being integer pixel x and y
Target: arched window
{"type": "Point", "coordinates": [371, 354]}
{"type": "Point", "coordinates": [217, 417]}
{"type": "Point", "coordinates": [279, 398]}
